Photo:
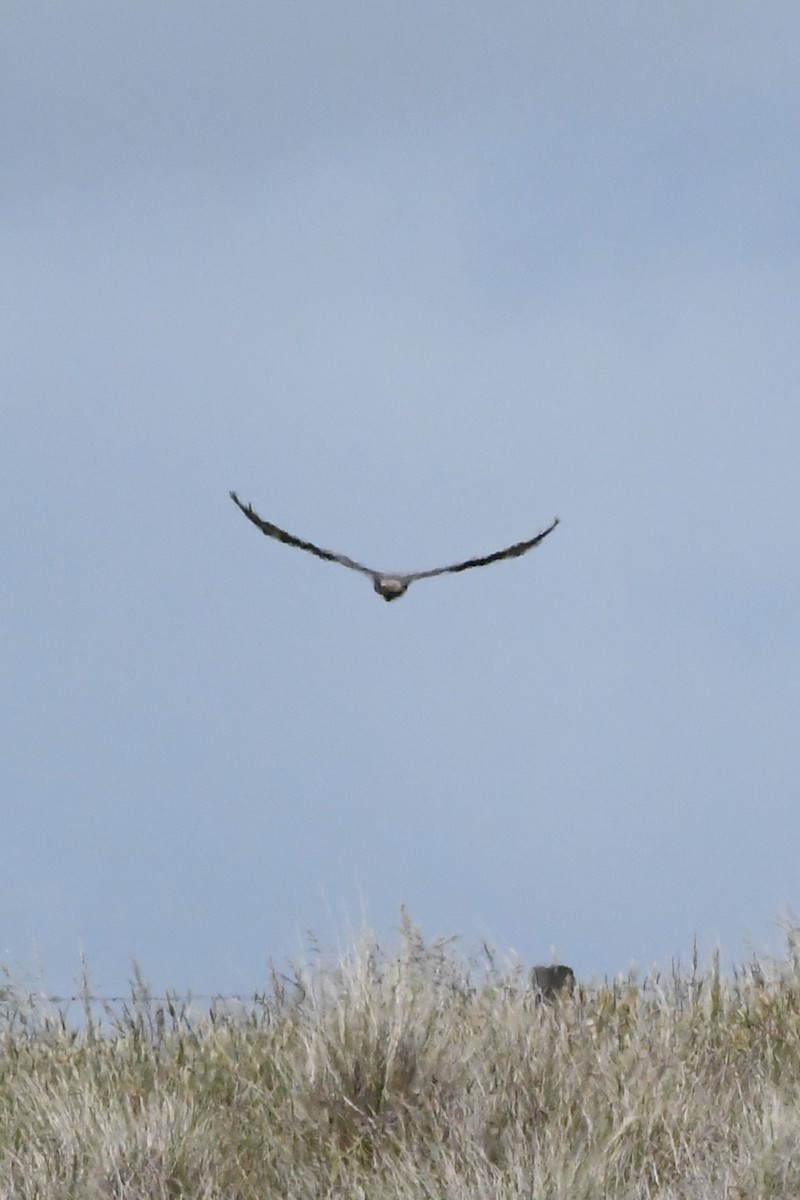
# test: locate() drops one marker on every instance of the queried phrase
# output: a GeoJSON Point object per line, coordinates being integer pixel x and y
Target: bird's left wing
{"type": "Point", "coordinates": [509, 552]}
{"type": "Point", "coordinates": [282, 536]}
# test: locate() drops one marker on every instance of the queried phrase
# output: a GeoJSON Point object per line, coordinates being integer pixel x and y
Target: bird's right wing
{"type": "Point", "coordinates": [282, 536]}
{"type": "Point", "coordinates": [509, 552]}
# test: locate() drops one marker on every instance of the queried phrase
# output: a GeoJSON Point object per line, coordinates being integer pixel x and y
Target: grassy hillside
{"type": "Point", "coordinates": [412, 1075]}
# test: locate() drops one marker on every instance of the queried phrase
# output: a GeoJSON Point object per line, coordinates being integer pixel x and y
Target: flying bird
{"type": "Point", "coordinates": [390, 586]}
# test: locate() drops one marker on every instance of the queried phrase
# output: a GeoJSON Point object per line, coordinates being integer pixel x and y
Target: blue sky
{"type": "Point", "coordinates": [414, 279]}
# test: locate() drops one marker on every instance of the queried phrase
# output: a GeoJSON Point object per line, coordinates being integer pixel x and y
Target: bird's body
{"type": "Point", "coordinates": [389, 586]}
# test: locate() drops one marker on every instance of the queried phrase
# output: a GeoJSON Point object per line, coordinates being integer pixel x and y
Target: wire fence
{"type": "Point", "coordinates": [168, 998]}
{"type": "Point", "coordinates": [31, 1013]}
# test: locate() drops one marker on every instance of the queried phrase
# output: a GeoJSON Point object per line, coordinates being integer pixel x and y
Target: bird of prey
{"type": "Point", "coordinates": [390, 586]}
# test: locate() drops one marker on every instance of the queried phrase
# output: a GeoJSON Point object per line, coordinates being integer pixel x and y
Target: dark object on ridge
{"type": "Point", "coordinates": [387, 585]}
{"type": "Point", "coordinates": [547, 982]}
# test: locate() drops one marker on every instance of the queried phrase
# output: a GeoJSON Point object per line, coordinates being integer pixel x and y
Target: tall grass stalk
{"type": "Point", "coordinates": [411, 1074]}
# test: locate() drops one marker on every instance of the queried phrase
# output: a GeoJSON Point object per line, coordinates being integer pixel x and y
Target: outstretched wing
{"type": "Point", "coordinates": [509, 552]}
{"type": "Point", "coordinates": [282, 536]}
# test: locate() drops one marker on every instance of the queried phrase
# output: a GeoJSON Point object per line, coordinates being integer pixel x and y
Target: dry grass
{"type": "Point", "coordinates": [412, 1075]}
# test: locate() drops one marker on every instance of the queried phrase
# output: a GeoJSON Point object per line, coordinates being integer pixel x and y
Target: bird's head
{"type": "Point", "coordinates": [389, 587]}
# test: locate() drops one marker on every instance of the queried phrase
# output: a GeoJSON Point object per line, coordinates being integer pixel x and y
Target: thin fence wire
{"type": "Point", "coordinates": [170, 998]}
